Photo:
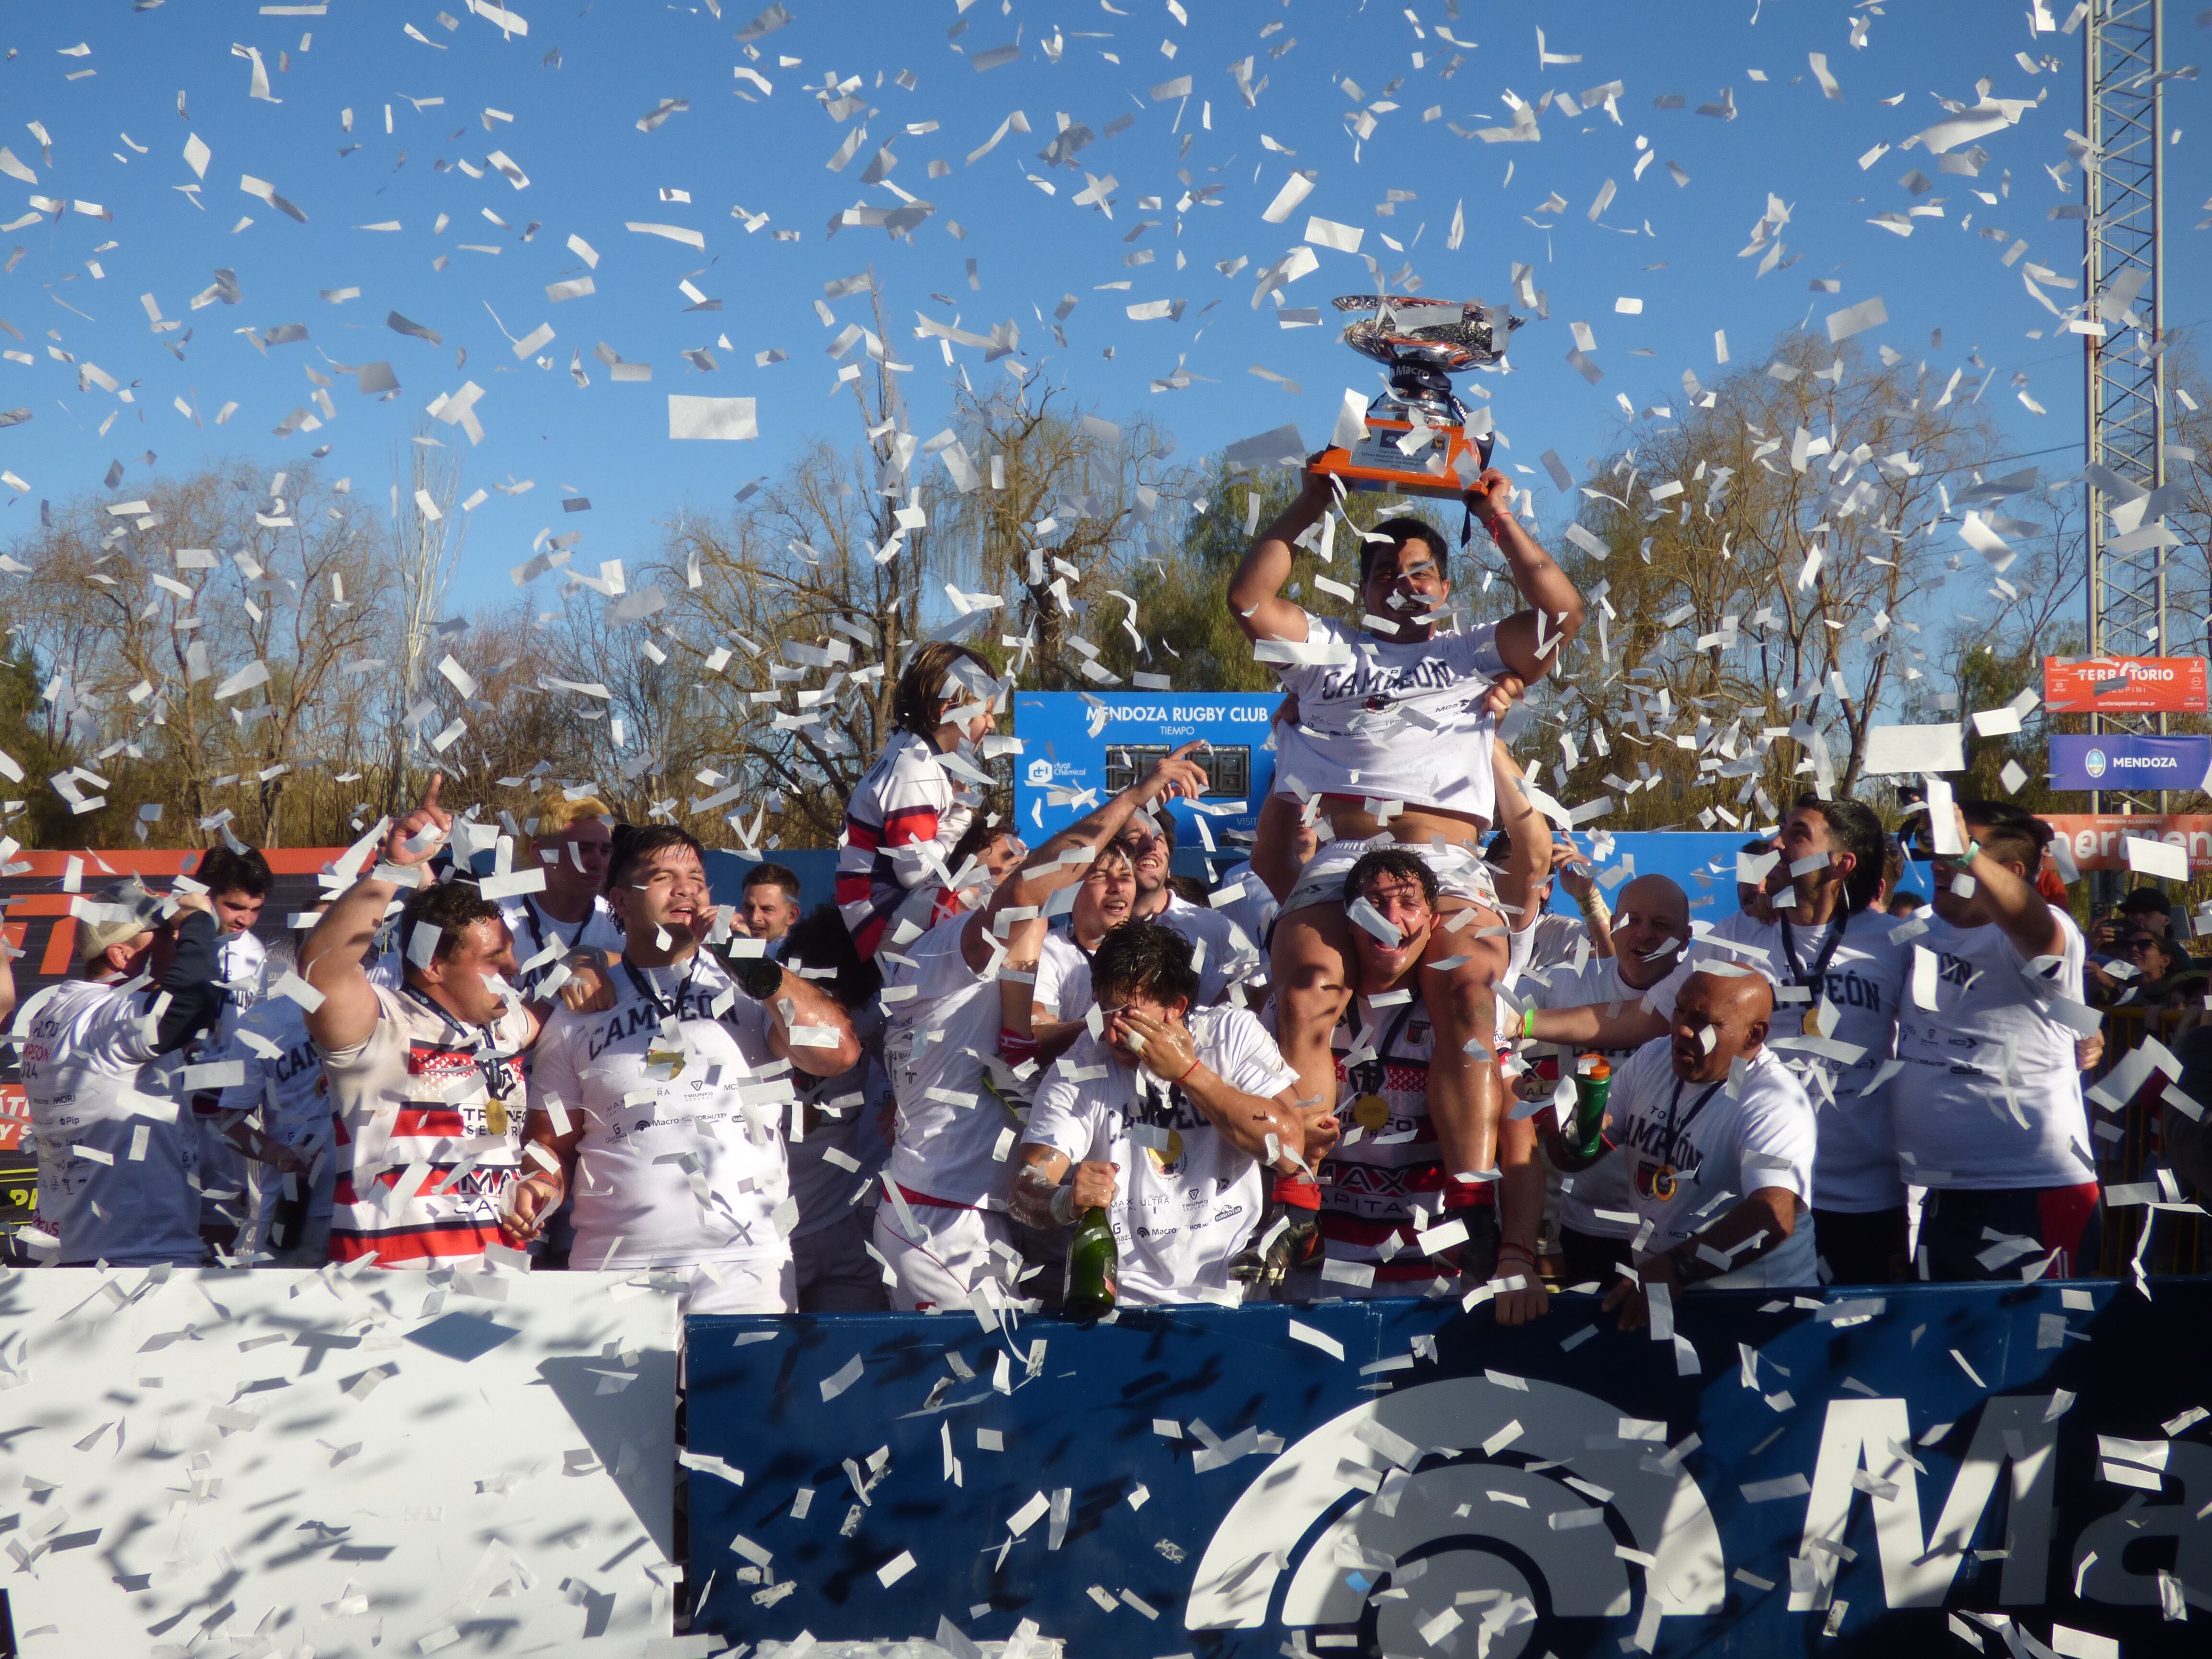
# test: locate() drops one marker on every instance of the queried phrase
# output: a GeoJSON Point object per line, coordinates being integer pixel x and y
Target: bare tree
{"type": "Point", "coordinates": [428, 534]}
{"type": "Point", "coordinates": [1758, 567]}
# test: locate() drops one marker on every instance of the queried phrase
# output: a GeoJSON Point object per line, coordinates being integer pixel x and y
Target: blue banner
{"type": "Point", "coordinates": [1863, 1474]}
{"type": "Point", "coordinates": [1079, 749]}
{"type": "Point", "coordinates": [2112, 760]}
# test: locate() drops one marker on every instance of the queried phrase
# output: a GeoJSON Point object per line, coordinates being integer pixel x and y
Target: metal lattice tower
{"type": "Point", "coordinates": [2126, 425]}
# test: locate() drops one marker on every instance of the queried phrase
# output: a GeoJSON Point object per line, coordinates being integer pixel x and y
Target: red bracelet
{"type": "Point", "coordinates": [1186, 1070]}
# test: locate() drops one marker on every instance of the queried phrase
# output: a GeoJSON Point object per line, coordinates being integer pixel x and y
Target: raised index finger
{"type": "Point", "coordinates": [430, 795]}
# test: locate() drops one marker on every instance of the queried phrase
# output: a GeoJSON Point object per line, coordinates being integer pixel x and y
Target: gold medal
{"type": "Point", "coordinates": [496, 1117]}
{"type": "Point", "coordinates": [1662, 1183]}
{"type": "Point", "coordinates": [1164, 1158]}
{"type": "Point", "coordinates": [668, 1057]}
{"type": "Point", "coordinates": [1371, 1112]}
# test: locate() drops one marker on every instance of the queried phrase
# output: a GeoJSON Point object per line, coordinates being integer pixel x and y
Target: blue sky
{"type": "Point", "coordinates": [575, 134]}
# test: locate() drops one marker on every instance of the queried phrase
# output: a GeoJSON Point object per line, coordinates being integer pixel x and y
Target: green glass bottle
{"type": "Point", "coordinates": [1094, 1267]}
{"type": "Point", "coordinates": [1593, 1085]}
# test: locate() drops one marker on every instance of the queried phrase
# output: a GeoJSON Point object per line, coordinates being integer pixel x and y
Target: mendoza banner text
{"type": "Point", "coordinates": [1861, 1473]}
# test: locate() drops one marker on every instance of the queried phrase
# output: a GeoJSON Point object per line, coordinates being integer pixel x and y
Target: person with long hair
{"type": "Point", "coordinates": [912, 807]}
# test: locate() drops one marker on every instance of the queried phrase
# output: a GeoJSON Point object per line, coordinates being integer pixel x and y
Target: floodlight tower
{"type": "Point", "coordinates": [2125, 350]}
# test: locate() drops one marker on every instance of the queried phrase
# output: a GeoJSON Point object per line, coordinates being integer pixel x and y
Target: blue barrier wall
{"type": "Point", "coordinates": [1703, 864]}
{"type": "Point", "coordinates": [1210, 1481]}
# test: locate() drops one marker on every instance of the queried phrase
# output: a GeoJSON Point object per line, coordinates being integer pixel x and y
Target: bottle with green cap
{"type": "Point", "coordinates": [1094, 1266]}
{"type": "Point", "coordinates": [1593, 1086]}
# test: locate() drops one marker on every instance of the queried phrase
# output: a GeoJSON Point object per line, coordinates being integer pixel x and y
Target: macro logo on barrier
{"type": "Point", "coordinates": [2094, 763]}
{"type": "Point", "coordinates": [1544, 1482]}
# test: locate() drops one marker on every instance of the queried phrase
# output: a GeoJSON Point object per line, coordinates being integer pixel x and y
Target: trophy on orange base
{"type": "Point", "coordinates": [1416, 441]}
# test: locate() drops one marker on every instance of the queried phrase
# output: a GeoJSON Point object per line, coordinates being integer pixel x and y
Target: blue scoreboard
{"type": "Point", "coordinates": [1081, 749]}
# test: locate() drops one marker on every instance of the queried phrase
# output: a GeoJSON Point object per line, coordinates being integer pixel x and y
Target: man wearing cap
{"type": "Point", "coordinates": [104, 1056]}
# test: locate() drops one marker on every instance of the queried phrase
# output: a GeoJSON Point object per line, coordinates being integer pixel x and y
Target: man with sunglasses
{"type": "Point", "coordinates": [1988, 1109]}
{"type": "Point", "coordinates": [1392, 745]}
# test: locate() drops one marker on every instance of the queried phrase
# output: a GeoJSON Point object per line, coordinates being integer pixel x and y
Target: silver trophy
{"type": "Point", "coordinates": [1417, 442]}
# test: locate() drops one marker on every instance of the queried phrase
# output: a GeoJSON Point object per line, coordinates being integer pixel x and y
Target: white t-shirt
{"type": "Point", "coordinates": [1063, 981]}
{"type": "Point", "coordinates": [241, 960]}
{"type": "Point", "coordinates": [956, 1136]}
{"type": "Point", "coordinates": [1252, 911]}
{"type": "Point", "coordinates": [1063, 977]}
{"type": "Point", "coordinates": [1604, 1185]}
{"type": "Point", "coordinates": [1221, 961]}
{"type": "Point", "coordinates": [1955, 1125]}
{"type": "Point", "coordinates": [1186, 1199]}
{"type": "Point", "coordinates": [294, 1100]}
{"type": "Point", "coordinates": [534, 930]}
{"type": "Point", "coordinates": [1865, 982]}
{"type": "Point", "coordinates": [1397, 721]}
{"type": "Point", "coordinates": [855, 1108]}
{"type": "Point", "coordinates": [95, 1086]}
{"type": "Point", "coordinates": [1719, 1148]}
{"type": "Point", "coordinates": [677, 1169]}
{"type": "Point", "coordinates": [421, 1097]}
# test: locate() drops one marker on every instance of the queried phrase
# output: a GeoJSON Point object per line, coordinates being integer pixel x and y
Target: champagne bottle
{"type": "Point", "coordinates": [1593, 1085]}
{"type": "Point", "coordinates": [1094, 1271]}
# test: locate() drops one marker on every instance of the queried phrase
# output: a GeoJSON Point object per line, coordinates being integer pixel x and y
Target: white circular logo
{"type": "Point", "coordinates": [2094, 762]}
{"type": "Point", "coordinates": [1446, 1494]}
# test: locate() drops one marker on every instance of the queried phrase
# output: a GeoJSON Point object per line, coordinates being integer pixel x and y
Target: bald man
{"type": "Point", "coordinates": [1596, 1218]}
{"type": "Point", "coordinates": [1719, 1140]}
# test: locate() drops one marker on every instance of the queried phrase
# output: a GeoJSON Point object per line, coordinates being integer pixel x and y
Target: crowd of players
{"type": "Point", "coordinates": [1346, 1072]}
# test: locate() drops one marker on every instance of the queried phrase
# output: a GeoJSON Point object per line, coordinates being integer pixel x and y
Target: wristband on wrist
{"type": "Point", "coordinates": [760, 977]}
{"type": "Point", "coordinates": [1186, 1071]}
{"type": "Point", "coordinates": [1521, 1250]}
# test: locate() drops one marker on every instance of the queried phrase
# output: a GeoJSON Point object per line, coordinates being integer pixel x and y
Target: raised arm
{"type": "Point", "coordinates": [331, 958]}
{"type": "Point", "coordinates": [793, 1000]}
{"type": "Point", "coordinates": [1256, 591]}
{"type": "Point", "coordinates": [1538, 577]}
{"type": "Point", "coordinates": [191, 981]}
{"type": "Point", "coordinates": [2013, 904]}
{"type": "Point", "coordinates": [1050, 868]}
{"type": "Point", "coordinates": [1529, 835]}
{"type": "Point", "coordinates": [1580, 882]}
{"type": "Point", "coordinates": [1591, 1026]}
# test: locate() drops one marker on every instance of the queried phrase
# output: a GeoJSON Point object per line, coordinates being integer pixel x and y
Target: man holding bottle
{"type": "Point", "coordinates": [1188, 1103]}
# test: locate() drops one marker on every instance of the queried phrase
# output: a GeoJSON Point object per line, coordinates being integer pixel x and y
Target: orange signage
{"type": "Point", "coordinates": [2098, 841]}
{"type": "Point", "coordinates": [2124, 685]}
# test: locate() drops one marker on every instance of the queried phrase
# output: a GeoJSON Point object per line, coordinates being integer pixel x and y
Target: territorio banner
{"type": "Point", "coordinates": [2124, 685]}
{"type": "Point", "coordinates": [1854, 1472]}
{"type": "Point", "coordinates": [2114, 760]}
